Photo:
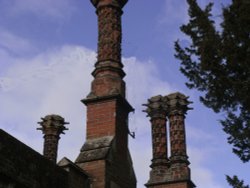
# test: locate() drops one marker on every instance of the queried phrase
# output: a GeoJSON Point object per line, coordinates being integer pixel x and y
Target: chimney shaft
{"type": "Point", "coordinates": [108, 71]}
{"type": "Point", "coordinates": [52, 126]}
{"type": "Point", "coordinates": [157, 111]}
{"type": "Point", "coordinates": [174, 171]}
{"type": "Point", "coordinates": [178, 106]}
{"type": "Point", "coordinates": [105, 154]}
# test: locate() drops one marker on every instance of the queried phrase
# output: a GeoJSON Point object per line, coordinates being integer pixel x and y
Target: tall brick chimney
{"type": "Point", "coordinates": [176, 173]}
{"type": "Point", "coordinates": [108, 71]}
{"type": "Point", "coordinates": [52, 126]}
{"type": "Point", "coordinates": [157, 111]}
{"type": "Point", "coordinates": [105, 155]}
{"type": "Point", "coordinates": [178, 106]}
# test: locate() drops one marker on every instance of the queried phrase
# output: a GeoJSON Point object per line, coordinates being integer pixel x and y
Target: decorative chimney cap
{"type": "Point", "coordinates": [178, 103]}
{"type": "Point", "coordinates": [157, 106]}
{"type": "Point", "coordinates": [116, 3]}
{"type": "Point", "coordinates": [53, 124]}
{"type": "Point", "coordinates": [174, 103]}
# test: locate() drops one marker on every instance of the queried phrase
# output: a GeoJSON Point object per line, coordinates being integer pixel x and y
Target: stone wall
{"type": "Point", "coordinates": [22, 167]}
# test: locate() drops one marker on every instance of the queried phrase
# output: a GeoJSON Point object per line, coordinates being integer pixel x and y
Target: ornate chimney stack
{"type": "Point", "coordinates": [175, 173]}
{"type": "Point", "coordinates": [108, 87]}
{"type": "Point", "coordinates": [157, 111]}
{"type": "Point", "coordinates": [180, 172]}
{"type": "Point", "coordinates": [108, 71]}
{"type": "Point", "coordinates": [105, 155]}
{"type": "Point", "coordinates": [52, 127]}
{"type": "Point", "coordinates": [178, 107]}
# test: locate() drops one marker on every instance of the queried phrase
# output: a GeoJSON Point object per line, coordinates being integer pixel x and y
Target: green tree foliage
{"type": "Point", "coordinates": [236, 183]}
{"type": "Point", "coordinates": [217, 63]}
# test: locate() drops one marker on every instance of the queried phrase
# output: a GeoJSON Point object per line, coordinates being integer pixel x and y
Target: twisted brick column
{"type": "Point", "coordinates": [170, 172]}
{"type": "Point", "coordinates": [108, 71]}
{"type": "Point", "coordinates": [110, 35]}
{"type": "Point", "coordinates": [178, 106]}
{"type": "Point", "coordinates": [52, 127]}
{"type": "Point", "coordinates": [157, 111]}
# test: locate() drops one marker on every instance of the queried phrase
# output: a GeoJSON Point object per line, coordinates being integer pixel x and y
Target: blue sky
{"type": "Point", "coordinates": [47, 53]}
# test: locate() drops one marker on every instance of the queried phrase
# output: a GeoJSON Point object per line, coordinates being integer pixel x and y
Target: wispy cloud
{"type": "Point", "coordinates": [174, 12]}
{"type": "Point", "coordinates": [53, 9]}
{"type": "Point", "coordinates": [171, 17]}
{"type": "Point", "coordinates": [200, 174]}
{"type": "Point", "coordinates": [52, 82]}
{"type": "Point", "coordinates": [14, 44]}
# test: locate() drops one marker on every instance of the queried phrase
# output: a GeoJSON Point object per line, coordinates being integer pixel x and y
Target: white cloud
{"type": "Point", "coordinates": [142, 83]}
{"type": "Point", "coordinates": [173, 15]}
{"type": "Point", "coordinates": [49, 83]}
{"type": "Point", "coordinates": [203, 148]}
{"type": "Point", "coordinates": [200, 175]}
{"type": "Point", "coordinates": [55, 81]}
